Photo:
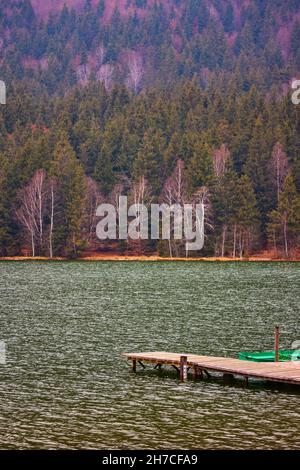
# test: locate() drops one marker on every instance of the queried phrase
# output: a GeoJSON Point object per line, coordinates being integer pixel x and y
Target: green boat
{"type": "Point", "coordinates": [269, 356]}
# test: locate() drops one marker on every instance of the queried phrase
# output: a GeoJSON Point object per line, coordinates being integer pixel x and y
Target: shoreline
{"type": "Point", "coordinates": [152, 258]}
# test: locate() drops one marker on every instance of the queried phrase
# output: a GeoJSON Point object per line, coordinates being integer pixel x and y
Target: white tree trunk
{"type": "Point", "coordinates": [51, 220]}
{"type": "Point", "coordinates": [275, 242]}
{"type": "Point", "coordinates": [32, 245]}
{"type": "Point", "coordinates": [223, 240]}
{"type": "Point", "coordinates": [286, 246]}
{"type": "Point", "coordinates": [234, 241]}
{"type": "Point", "coordinates": [241, 243]}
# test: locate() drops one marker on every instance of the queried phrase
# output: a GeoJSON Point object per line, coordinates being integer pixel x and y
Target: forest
{"type": "Point", "coordinates": [175, 105]}
{"type": "Point", "coordinates": [148, 42]}
{"type": "Point", "coordinates": [236, 152]}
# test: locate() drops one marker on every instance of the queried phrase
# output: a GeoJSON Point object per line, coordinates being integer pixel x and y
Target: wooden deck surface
{"type": "Point", "coordinates": [285, 372]}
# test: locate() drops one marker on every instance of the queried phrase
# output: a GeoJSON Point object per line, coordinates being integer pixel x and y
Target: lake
{"type": "Point", "coordinates": [66, 324]}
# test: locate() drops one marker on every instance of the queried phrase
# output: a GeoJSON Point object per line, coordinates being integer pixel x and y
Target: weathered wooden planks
{"type": "Point", "coordinates": [284, 372]}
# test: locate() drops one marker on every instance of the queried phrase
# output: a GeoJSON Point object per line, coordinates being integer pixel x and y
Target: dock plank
{"type": "Point", "coordinates": [286, 372]}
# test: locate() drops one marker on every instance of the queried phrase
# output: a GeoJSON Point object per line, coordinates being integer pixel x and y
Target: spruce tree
{"type": "Point", "coordinates": [284, 222]}
{"type": "Point", "coordinates": [149, 160]}
{"type": "Point", "coordinates": [245, 215]}
{"type": "Point", "coordinates": [71, 194]}
{"type": "Point", "coordinates": [200, 168]}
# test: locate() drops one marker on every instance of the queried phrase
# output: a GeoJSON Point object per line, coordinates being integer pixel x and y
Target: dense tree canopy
{"type": "Point", "coordinates": [102, 104]}
{"type": "Point", "coordinates": [231, 143]}
{"type": "Point", "coordinates": [148, 42]}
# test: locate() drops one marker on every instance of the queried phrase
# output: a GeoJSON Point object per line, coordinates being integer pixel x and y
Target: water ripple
{"type": "Point", "coordinates": [65, 384]}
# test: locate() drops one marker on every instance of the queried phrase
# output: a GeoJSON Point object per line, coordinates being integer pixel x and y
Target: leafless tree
{"type": "Point", "coordinates": [140, 195]}
{"type": "Point", "coordinates": [39, 187]}
{"type": "Point", "coordinates": [279, 167]}
{"type": "Point", "coordinates": [93, 200]}
{"type": "Point", "coordinates": [136, 70]}
{"type": "Point", "coordinates": [26, 219]}
{"type": "Point", "coordinates": [174, 192]}
{"type": "Point", "coordinates": [83, 72]}
{"type": "Point", "coordinates": [105, 74]}
{"type": "Point", "coordinates": [119, 189]}
{"type": "Point", "coordinates": [202, 196]}
{"type": "Point", "coordinates": [234, 240]}
{"type": "Point", "coordinates": [100, 54]}
{"type": "Point", "coordinates": [220, 158]}
{"type": "Point", "coordinates": [30, 211]}
{"type": "Point", "coordinates": [175, 188]}
{"type": "Point", "coordinates": [51, 198]}
{"type": "Point", "coordinates": [140, 191]}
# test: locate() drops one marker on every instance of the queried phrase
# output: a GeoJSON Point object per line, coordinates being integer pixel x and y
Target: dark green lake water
{"type": "Point", "coordinates": [65, 384]}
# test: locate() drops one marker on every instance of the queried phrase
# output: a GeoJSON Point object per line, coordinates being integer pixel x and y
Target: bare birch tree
{"type": "Point", "coordinates": [93, 200]}
{"type": "Point", "coordinates": [202, 196]}
{"type": "Point", "coordinates": [30, 211]}
{"type": "Point", "coordinates": [140, 195]}
{"type": "Point", "coordinates": [83, 72]}
{"type": "Point", "coordinates": [26, 218]}
{"type": "Point", "coordinates": [39, 188]}
{"type": "Point", "coordinates": [105, 74]}
{"type": "Point", "coordinates": [136, 70]}
{"type": "Point", "coordinates": [279, 167]}
{"type": "Point", "coordinates": [52, 187]}
{"type": "Point", "coordinates": [174, 192]}
{"type": "Point", "coordinates": [100, 54]}
{"type": "Point", "coordinates": [220, 162]}
{"type": "Point", "coordinates": [220, 158]}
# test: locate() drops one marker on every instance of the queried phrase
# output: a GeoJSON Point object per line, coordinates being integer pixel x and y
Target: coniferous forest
{"type": "Point", "coordinates": [143, 100]}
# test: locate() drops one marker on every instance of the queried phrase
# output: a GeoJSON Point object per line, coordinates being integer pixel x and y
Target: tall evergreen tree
{"type": "Point", "coordinates": [69, 175]}
{"type": "Point", "coordinates": [200, 168]}
{"type": "Point", "coordinates": [284, 222]}
{"type": "Point", "coordinates": [149, 160]}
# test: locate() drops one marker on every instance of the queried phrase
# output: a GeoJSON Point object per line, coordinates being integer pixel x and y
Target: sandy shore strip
{"type": "Point", "coordinates": [153, 258]}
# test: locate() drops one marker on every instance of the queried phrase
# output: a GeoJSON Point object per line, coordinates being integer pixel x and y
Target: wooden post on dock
{"type": "Point", "coordinates": [183, 368]}
{"type": "Point", "coordinates": [196, 372]}
{"type": "Point", "coordinates": [276, 343]}
{"type": "Point", "coordinates": [282, 372]}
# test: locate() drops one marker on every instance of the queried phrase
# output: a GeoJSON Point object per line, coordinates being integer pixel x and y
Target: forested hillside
{"type": "Point", "coordinates": [104, 101]}
{"type": "Point", "coordinates": [141, 42]}
{"type": "Point", "coordinates": [237, 150]}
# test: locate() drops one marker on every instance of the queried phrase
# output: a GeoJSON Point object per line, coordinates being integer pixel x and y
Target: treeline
{"type": "Point", "coordinates": [156, 42]}
{"type": "Point", "coordinates": [236, 152]}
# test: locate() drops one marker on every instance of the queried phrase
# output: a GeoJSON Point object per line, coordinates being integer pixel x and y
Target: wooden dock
{"type": "Point", "coordinates": [280, 372]}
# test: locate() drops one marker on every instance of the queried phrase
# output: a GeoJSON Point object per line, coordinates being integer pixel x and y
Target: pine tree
{"type": "Point", "coordinates": [245, 215]}
{"type": "Point", "coordinates": [69, 175]}
{"type": "Point", "coordinates": [101, 7]}
{"type": "Point", "coordinates": [89, 149]}
{"type": "Point", "coordinates": [149, 160]}
{"type": "Point", "coordinates": [223, 186]}
{"type": "Point", "coordinates": [200, 168]}
{"type": "Point", "coordinates": [284, 222]}
{"type": "Point", "coordinates": [257, 169]}
{"type": "Point", "coordinates": [228, 20]}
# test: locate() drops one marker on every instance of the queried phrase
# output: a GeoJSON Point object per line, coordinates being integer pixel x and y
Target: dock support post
{"type": "Point", "coordinates": [183, 368]}
{"type": "Point", "coordinates": [276, 343]}
{"type": "Point", "coordinates": [133, 365]}
{"type": "Point", "coordinates": [196, 372]}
